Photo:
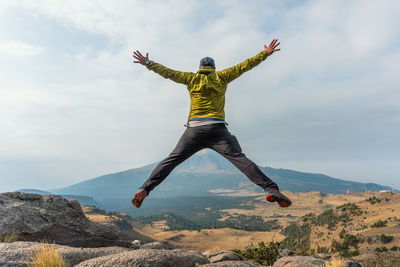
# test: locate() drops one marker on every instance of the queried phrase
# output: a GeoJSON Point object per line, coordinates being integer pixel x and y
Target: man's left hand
{"type": "Point", "coordinates": [272, 47]}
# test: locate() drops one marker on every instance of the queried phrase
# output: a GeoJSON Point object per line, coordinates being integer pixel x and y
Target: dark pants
{"type": "Point", "coordinates": [214, 136]}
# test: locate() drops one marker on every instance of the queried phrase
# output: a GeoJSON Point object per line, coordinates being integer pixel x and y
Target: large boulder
{"type": "Point", "coordinates": [217, 256]}
{"type": "Point", "coordinates": [299, 261]}
{"type": "Point", "coordinates": [19, 253]}
{"type": "Point", "coordinates": [148, 257]}
{"type": "Point", "coordinates": [53, 219]}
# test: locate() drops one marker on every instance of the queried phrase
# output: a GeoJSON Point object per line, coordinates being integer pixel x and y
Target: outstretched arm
{"type": "Point", "coordinates": [174, 75]}
{"type": "Point", "coordinates": [234, 72]}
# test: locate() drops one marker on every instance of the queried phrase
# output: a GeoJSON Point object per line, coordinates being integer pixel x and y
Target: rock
{"type": "Point", "coordinates": [54, 219]}
{"type": "Point", "coordinates": [286, 252]}
{"type": "Point", "coordinates": [147, 257]}
{"type": "Point", "coordinates": [352, 264]}
{"type": "Point", "coordinates": [299, 261]}
{"type": "Point", "coordinates": [232, 264]}
{"type": "Point", "coordinates": [154, 245]}
{"type": "Point", "coordinates": [211, 253]}
{"type": "Point", "coordinates": [225, 256]}
{"type": "Point", "coordinates": [135, 244]}
{"type": "Point", "coordinates": [18, 253]}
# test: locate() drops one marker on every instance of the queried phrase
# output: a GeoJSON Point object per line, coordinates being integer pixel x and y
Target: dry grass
{"type": "Point", "coordinates": [8, 238]}
{"type": "Point", "coordinates": [336, 263]}
{"type": "Point", "coordinates": [215, 248]}
{"type": "Point", "coordinates": [47, 256]}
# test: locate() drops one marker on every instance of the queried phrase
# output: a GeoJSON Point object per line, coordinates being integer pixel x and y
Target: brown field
{"type": "Point", "coordinates": [303, 203]}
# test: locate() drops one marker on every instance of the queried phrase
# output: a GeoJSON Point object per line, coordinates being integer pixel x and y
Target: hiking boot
{"type": "Point", "coordinates": [139, 197]}
{"type": "Point", "coordinates": [273, 195]}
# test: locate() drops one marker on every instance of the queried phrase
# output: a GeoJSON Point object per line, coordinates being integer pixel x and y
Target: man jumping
{"type": "Point", "coordinates": [206, 126]}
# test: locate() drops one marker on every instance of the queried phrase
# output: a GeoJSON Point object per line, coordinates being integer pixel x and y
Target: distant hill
{"type": "Point", "coordinates": [205, 174]}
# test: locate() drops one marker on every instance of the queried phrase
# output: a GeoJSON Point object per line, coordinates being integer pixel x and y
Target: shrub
{"type": "Point", "coordinates": [381, 249]}
{"type": "Point", "coordinates": [373, 200]}
{"type": "Point", "coordinates": [327, 217]}
{"type": "Point", "coordinates": [297, 238]}
{"type": "Point", "coordinates": [379, 223]}
{"type": "Point", "coordinates": [386, 238]}
{"type": "Point", "coordinates": [353, 208]}
{"type": "Point", "coordinates": [47, 256]}
{"type": "Point", "coordinates": [342, 234]}
{"type": "Point", "coordinates": [344, 248]}
{"type": "Point", "coordinates": [322, 249]}
{"type": "Point", "coordinates": [265, 255]}
{"type": "Point", "coordinates": [395, 248]}
{"type": "Point", "coordinates": [8, 238]}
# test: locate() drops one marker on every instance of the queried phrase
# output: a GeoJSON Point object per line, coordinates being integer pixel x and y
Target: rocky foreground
{"type": "Point", "coordinates": [81, 242]}
{"type": "Point", "coordinates": [19, 253]}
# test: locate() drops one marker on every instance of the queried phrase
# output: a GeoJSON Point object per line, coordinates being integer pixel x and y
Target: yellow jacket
{"type": "Point", "coordinates": [207, 87]}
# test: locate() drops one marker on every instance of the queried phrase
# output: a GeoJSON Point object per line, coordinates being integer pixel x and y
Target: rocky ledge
{"type": "Point", "coordinates": [54, 219]}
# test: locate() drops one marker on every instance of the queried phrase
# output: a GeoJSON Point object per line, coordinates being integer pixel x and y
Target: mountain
{"type": "Point", "coordinates": [209, 174]}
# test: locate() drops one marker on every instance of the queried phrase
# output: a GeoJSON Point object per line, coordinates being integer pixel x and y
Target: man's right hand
{"type": "Point", "coordinates": [140, 58]}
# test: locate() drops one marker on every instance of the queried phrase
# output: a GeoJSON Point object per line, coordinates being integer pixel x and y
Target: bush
{"type": "Point", "coordinates": [353, 208]}
{"type": "Point", "coordinates": [327, 217]}
{"type": "Point", "coordinates": [322, 250]}
{"type": "Point", "coordinates": [297, 238]}
{"type": "Point", "coordinates": [379, 223]}
{"type": "Point", "coordinates": [47, 256]}
{"type": "Point", "coordinates": [342, 234]}
{"type": "Point", "coordinates": [386, 238]}
{"type": "Point", "coordinates": [373, 200]}
{"type": "Point", "coordinates": [381, 249]}
{"type": "Point", "coordinates": [265, 255]}
{"type": "Point", "coordinates": [344, 248]}
{"type": "Point", "coordinates": [395, 248]}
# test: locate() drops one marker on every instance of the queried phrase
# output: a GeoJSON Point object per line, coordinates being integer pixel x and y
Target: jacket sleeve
{"type": "Point", "coordinates": [234, 72]}
{"type": "Point", "coordinates": [174, 75]}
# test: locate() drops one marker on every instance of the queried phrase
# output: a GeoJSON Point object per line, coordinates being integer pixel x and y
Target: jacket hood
{"type": "Point", "coordinates": [205, 70]}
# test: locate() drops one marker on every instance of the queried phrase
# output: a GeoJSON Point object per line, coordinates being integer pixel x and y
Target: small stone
{"type": "Point", "coordinates": [135, 244]}
{"type": "Point", "coordinates": [352, 264]}
{"type": "Point", "coordinates": [299, 261]}
{"type": "Point", "coordinates": [232, 264]}
{"type": "Point", "coordinates": [154, 245]}
{"type": "Point", "coordinates": [226, 256]}
{"type": "Point", "coordinates": [286, 252]}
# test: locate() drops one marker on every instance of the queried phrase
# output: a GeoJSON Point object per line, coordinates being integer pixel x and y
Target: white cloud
{"type": "Point", "coordinates": [20, 49]}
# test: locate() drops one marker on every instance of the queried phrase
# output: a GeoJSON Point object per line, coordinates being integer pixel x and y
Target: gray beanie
{"type": "Point", "coordinates": [207, 62]}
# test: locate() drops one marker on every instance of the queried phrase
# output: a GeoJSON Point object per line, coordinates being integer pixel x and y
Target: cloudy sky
{"type": "Point", "coordinates": [74, 106]}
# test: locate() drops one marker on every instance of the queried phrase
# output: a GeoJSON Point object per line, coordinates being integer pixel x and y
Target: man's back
{"type": "Point", "coordinates": [207, 87]}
